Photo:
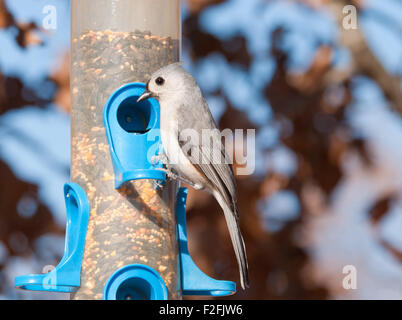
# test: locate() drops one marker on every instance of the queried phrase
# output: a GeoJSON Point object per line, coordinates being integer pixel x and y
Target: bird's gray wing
{"type": "Point", "coordinates": [219, 176]}
{"type": "Point", "coordinates": [203, 155]}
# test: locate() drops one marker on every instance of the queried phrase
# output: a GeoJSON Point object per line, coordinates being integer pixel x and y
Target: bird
{"type": "Point", "coordinates": [184, 109]}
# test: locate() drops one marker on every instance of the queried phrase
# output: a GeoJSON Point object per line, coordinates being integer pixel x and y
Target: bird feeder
{"type": "Point", "coordinates": [126, 237]}
{"type": "Point", "coordinates": [132, 223]}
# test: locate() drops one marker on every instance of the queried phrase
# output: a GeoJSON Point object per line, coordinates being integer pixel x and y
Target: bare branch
{"type": "Point", "coordinates": [365, 61]}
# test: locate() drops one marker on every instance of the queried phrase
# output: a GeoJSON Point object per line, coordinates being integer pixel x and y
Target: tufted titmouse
{"type": "Point", "coordinates": [183, 108]}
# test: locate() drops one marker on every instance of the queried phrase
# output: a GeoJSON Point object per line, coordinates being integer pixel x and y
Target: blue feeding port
{"type": "Point", "coordinates": [133, 133]}
{"type": "Point", "coordinates": [66, 276]}
{"type": "Point", "coordinates": [195, 282]}
{"type": "Point", "coordinates": [135, 282]}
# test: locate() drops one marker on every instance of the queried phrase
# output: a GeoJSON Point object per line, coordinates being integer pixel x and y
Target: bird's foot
{"type": "Point", "coordinates": [161, 157]}
{"type": "Point", "coordinates": [172, 175]}
{"type": "Point", "coordinates": [197, 186]}
{"type": "Point", "coordinates": [157, 184]}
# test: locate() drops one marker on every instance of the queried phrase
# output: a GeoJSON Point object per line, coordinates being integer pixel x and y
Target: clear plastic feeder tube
{"type": "Point", "coordinates": [115, 42]}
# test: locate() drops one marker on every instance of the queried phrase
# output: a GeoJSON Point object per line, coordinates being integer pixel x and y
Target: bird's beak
{"type": "Point", "coordinates": [147, 94]}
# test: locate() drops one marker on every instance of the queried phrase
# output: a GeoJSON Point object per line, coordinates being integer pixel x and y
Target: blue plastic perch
{"type": "Point", "coordinates": [195, 282]}
{"type": "Point", "coordinates": [140, 282]}
{"type": "Point", "coordinates": [66, 276]}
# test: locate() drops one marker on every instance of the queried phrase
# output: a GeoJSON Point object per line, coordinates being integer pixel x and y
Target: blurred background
{"type": "Point", "coordinates": [321, 87]}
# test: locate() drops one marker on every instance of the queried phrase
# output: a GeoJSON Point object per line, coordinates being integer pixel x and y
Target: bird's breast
{"type": "Point", "coordinates": [170, 142]}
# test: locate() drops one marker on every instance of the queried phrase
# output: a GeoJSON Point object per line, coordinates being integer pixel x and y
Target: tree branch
{"type": "Point", "coordinates": [365, 60]}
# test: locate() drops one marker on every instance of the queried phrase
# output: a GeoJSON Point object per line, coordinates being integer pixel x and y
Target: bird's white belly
{"type": "Point", "coordinates": [176, 157]}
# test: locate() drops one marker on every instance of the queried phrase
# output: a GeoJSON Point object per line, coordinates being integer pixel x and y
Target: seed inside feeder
{"type": "Point", "coordinates": [129, 119]}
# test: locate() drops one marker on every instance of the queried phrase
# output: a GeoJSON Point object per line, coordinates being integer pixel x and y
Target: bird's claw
{"type": "Point", "coordinates": [157, 184]}
{"type": "Point", "coordinates": [159, 158]}
{"type": "Point", "coordinates": [197, 186]}
{"type": "Point", "coordinates": [171, 175]}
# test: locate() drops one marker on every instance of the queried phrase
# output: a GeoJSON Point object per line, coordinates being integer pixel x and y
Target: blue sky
{"type": "Point", "coordinates": [50, 127]}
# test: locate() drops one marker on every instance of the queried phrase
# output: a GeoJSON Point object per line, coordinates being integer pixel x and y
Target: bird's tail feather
{"type": "Point", "coordinates": [237, 240]}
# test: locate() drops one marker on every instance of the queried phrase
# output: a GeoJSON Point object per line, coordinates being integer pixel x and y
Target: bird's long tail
{"type": "Point", "coordinates": [237, 240]}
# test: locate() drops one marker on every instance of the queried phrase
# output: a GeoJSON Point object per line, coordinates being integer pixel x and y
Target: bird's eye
{"type": "Point", "coordinates": [159, 81]}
